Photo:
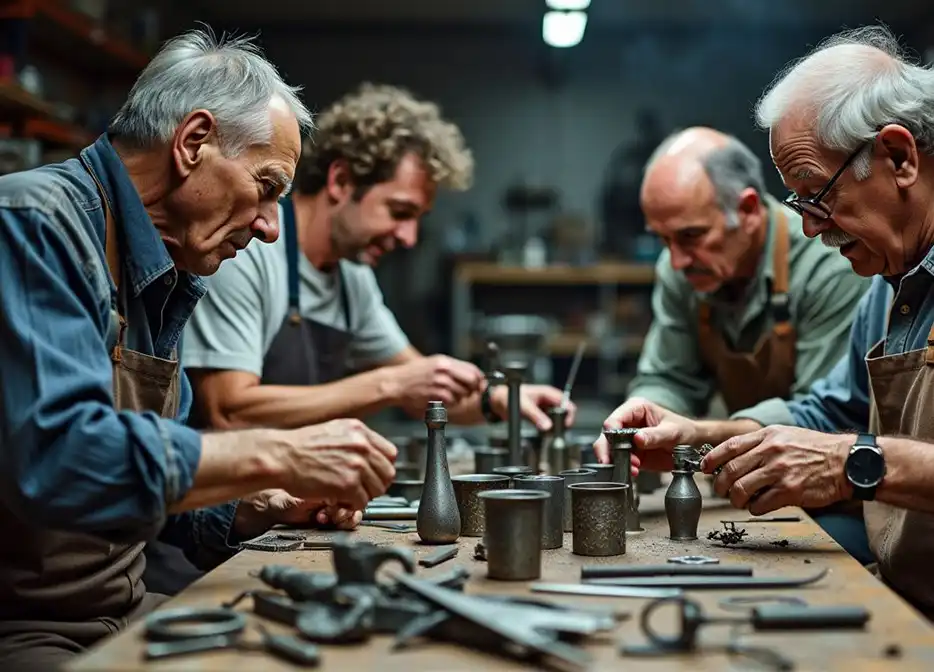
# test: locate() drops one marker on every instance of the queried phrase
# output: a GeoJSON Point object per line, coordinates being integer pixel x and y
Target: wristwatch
{"type": "Point", "coordinates": [865, 467]}
{"type": "Point", "coordinates": [486, 407]}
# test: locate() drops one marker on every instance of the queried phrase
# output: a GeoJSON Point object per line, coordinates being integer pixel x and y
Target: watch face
{"type": "Point", "coordinates": [865, 467]}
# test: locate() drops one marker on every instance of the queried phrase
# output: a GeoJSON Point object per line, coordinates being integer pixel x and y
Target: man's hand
{"type": "Point", "coordinates": [262, 510]}
{"type": "Point", "coordinates": [341, 463]}
{"type": "Point", "coordinates": [660, 431]}
{"type": "Point", "coordinates": [781, 466]}
{"type": "Point", "coordinates": [534, 401]}
{"type": "Point", "coordinates": [435, 378]}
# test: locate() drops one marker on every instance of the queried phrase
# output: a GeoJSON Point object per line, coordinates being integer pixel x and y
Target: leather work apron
{"type": "Point", "coordinates": [901, 399]}
{"type": "Point", "coordinates": [304, 351]}
{"type": "Point", "coordinates": [746, 378]}
{"type": "Point", "coordinates": [60, 592]}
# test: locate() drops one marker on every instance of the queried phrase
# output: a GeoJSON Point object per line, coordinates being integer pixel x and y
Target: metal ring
{"type": "Point", "coordinates": [694, 560]}
{"type": "Point", "coordinates": [207, 622]}
{"type": "Point", "coordinates": [744, 602]}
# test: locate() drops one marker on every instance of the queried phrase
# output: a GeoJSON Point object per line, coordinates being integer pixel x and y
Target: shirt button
{"type": "Point", "coordinates": [905, 309]}
{"type": "Point", "coordinates": [168, 281]}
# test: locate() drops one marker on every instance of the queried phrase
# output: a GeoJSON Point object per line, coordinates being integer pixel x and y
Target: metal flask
{"type": "Point", "coordinates": [438, 520]}
{"type": "Point", "coordinates": [683, 498]}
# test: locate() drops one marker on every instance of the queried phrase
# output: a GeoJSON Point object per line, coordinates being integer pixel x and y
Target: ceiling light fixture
{"type": "Point", "coordinates": [568, 5]}
{"type": "Point", "coordinates": [563, 29]}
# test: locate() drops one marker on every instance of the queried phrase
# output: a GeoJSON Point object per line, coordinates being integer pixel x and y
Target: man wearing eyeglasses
{"type": "Point", "coordinates": [745, 306]}
{"type": "Point", "coordinates": [852, 134]}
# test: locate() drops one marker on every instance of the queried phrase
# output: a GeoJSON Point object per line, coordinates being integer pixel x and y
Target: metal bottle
{"type": "Point", "coordinates": [515, 375]}
{"type": "Point", "coordinates": [557, 444]}
{"type": "Point", "coordinates": [620, 442]}
{"type": "Point", "coordinates": [683, 498]}
{"type": "Point", "coordinates": [438, 520]}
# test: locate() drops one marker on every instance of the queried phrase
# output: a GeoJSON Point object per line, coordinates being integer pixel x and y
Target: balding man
{"type": "Point", "coordinates": [744, 305]}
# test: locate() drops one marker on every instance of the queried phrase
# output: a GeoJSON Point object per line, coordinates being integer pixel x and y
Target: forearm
{"type": "Point", "coordinates": [291, 407]}
{"type": "Point", "coordinates": [716, 432]}
{"type": "Point", "coordinates": [909, 475]}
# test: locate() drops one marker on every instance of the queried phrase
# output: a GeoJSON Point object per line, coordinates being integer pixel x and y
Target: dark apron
{"type": "Point", "coordinates": [303, 352]}
{"type": "Point", "coordinates": [60, 592]}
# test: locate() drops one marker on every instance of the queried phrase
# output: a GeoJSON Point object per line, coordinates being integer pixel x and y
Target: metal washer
{"type": "Point", "coordinates": [694, 560]}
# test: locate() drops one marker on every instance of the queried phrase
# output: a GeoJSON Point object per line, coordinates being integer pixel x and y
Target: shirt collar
{"type": "Point", "coordinates": [144, 257]}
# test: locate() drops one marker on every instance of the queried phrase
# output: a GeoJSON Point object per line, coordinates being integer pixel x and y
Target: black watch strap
{"type": "Point", "coordinates": [486, 407]}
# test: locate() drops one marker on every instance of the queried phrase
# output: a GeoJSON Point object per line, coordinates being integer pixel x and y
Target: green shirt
{"type": "Point", "coordinates": [824, 292]}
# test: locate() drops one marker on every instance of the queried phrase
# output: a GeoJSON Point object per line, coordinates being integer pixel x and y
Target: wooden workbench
{"type": "Point", "coordinates": [809, 549]}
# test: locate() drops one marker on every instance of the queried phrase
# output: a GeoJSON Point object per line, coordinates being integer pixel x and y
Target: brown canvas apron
{"type": "Point", "coordinates": [60, 591]}
{"type": "Point", "coordinates": [901, 399]}
{"type": "Point", "coordinates": [746, 378]}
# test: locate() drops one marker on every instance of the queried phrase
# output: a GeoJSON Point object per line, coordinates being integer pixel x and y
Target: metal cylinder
{"type": "Point", "coordinates": [604, 471]}
{"type": "Point", "coordinates": [467, 490]}
{"type": "Point", "coordinates": [573, 476]}
{"type": "Point", "coordinates": [512, 533]}
{"type": "Point", "coordinates": [620, 442]}
{"type": "Point", "coordinates": [512, 471]}
{"type": "Point", "coordinates": [515, 375]}
{"type": "Point", "coordinates": [486, 459]}
{"type": "Point", "coordinates": [557, 451]}
{"type": "Point", "coordinates": [599, 513]}
{"type": "Point", "coordinates": [553, 521]}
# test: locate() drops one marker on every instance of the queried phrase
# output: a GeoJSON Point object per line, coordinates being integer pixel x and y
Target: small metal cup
{"type": "Point", "coordinates": [512, 471]}
{"type": "Point", "coordinates": [469, 505]}
{"type": "Point", "coordinates": [512, 533]}
{"type": "Point", "coordinates": [487, 459]}
{"type": "Point", "coordinates": [573, 476]}
{"type": "Point", "coordinates": [604, 471]}
{"type": "Point", "coordinates": [553, 522]}
{"type": "Point", "coordinates": [599, 512]}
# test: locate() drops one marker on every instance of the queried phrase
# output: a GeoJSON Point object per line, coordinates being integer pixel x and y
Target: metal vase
{"type": "Point", "coordinates": [469, 505]}
{"type": "Point", "coordinates": [486, 459]}
{"type": "Point", "coordinates": [621, 447]}
{"type": "Point", "coordinates": [512, 533]}
{"type": "Point", "coordinates": [683, 501]}
{"type": "Point", "coordinates": [513, 471]}
{"type": "Point", "coordinates": [604, 471]}
{"type": "Point", "coordinates": [438, 521]}
{"type": "Point", "coordinates": [599, 512]}
{"type": "Point", "coordinates": [553, 521]}
{"type": "Point", "coordinates": [573, 476]}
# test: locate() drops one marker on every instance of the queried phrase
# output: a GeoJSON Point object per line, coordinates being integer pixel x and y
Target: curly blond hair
{"type": "Point", "coordinates": [372, 129]}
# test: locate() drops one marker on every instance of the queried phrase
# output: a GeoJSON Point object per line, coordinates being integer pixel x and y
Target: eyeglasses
{"type": "Point", "coordinates": [814, 206]}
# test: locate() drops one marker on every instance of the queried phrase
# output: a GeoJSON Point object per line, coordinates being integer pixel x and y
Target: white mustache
{"type": "Point", "coordinates": [836, 238]}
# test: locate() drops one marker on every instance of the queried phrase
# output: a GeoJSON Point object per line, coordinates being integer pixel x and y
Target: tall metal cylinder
{"type": "Point", "coordinates": [553, 521]}
{"type": "Point", "coordinates": [512, 533]}
{"type": "Point", "coordinates": [515, 376]}
{"type": "Point", "coordinates": [621, 447]}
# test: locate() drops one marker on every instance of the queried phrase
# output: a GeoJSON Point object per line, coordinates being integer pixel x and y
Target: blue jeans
{"type": "Point", "coordinates": [848, 530]}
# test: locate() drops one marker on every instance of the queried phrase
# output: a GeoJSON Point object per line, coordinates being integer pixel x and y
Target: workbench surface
{"type": "Point", "coordinates": [809, 549]}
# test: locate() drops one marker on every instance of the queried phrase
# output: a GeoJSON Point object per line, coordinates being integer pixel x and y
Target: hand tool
{"type": "Point", "coordinates": [603, 591]}
{"type": "Point", "coordinates": [216, 629]}
{"type": "Point", "coordinates": [711, 582]}
{"type": "Point", "coordinates": [694, 560]}
{"type": "Point", "coordinates": [624, 571]}
{"type": "Point", "coordinates": [438, 557]}
{"type": "Point", "coordinates": [390, 513]}
{"type": "Point", "coordinates": [277, 541]}
{"type": "Point", "coordinates": [572, 374]}
{"type": "Point", "coordinates": [774, 519]}
{"type": "Point", "coordinates": [393, 527]}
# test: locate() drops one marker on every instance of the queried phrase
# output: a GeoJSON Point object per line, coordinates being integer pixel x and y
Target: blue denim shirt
{"type": "Point", "coordinates": [839, 402]}
{"type": "Point", "coordinates": [68, 459]}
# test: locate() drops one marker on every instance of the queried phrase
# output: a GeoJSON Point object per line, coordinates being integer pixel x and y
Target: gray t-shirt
{"type": "Point", "coordinates": [234, 325]}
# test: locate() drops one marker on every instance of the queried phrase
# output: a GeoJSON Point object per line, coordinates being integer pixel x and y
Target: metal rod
{"type": "Point", "coordinates": [572, 375]}
{"type": "Point", "coordinates": [604, 591]}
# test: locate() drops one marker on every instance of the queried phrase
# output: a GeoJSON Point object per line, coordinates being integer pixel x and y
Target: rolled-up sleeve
{"type": "Point", "coordinates": [838, 402]}
{"type": "Point", "coordinates": [68, 458]}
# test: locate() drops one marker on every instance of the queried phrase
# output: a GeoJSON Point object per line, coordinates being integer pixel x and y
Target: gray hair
{"type": "Point", "coordinates": [854, 83]}
{"type": "Point", "coordinates": [731, 169]}
{"type": "Point", "coordinates": [228, 76]}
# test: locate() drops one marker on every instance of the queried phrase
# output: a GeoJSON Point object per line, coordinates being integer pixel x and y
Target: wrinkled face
{"type": "Point", "coordinates": [388, 214]}
{"type": "Point", "coordinates": [876, 222]}
{"type": "Point", "coordinates": [227, 201]}
{"type": "Point", "coordinates": [695, 229]}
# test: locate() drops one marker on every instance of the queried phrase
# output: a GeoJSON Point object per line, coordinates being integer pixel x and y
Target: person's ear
{"type": "Point", "coordinates": [339, 182]}
{"type": "Point", "coordinates": [193, 136]}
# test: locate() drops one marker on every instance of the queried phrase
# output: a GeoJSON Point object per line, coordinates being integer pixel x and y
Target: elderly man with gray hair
{"type": "Point", "coordinates": [744, 305]}
{"type": "Point", "coordinates": [100, 258]}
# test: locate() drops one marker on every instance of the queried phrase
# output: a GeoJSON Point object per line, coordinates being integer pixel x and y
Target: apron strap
{"type": "Point", "coordinates": [345, 297]}
{"type": "Point", "coordinates": [779, 299]}
{"type": "Point", "coordinates": [112, 252]}
{"type": "Point", "coordinates": [290, 231]}
{"type": "Point", "coordinates": [929, 354]}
